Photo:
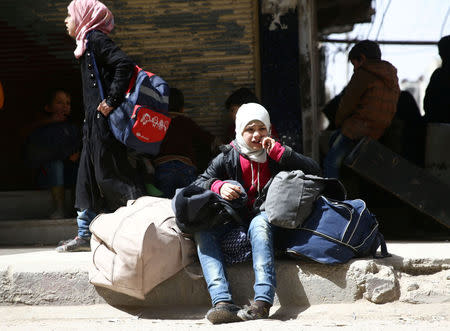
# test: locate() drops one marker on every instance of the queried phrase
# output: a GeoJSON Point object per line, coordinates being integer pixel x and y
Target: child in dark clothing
{"type": "Point", "coordinates": [53, 147]}
{"type": "Point", "coordinates": [251, 159]}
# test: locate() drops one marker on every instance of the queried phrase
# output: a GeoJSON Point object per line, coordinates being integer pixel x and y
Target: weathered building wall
{"type": "Point", "coordinates": [206, 48]}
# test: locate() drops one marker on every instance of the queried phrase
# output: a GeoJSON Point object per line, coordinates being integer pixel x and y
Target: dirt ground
{"type": "Point", "coordinates": [361, 315]}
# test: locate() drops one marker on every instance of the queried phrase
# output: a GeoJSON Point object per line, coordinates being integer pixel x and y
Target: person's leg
{"type": "Point", "coordinates": [189, 175]}
{"type": "Point", "coordinates": [166, 179]}
{"type": "Point", "coordinates": [84, 219]}
{"type": "Point", "coordinates": [210, 255]}
{"type": "Point", "coordinates": [260, 233]}
{"type": "Point", "coordinates": [70, 181]}
{"type": "Point", "coordinates": [172, 175]}
{"type": "Point", "coordinates": [211, 261]}
{"type": "Point", "coordinates": [341, 146]}
{"type": "Point", "coordinates": [81, 241]}
{"type": "Point", "coordinates": [55, 176]}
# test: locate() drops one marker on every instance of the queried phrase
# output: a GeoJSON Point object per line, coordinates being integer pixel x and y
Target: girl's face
{"type": "Point", "coordinates": [253, 134]}
{"type": "Point", "coordinates": [60, 104]}
{"type": "Point", "coordinates": [70, 25]}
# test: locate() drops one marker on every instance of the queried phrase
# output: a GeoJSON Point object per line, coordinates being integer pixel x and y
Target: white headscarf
{"type": "Point", "coordinates": [247, 113]}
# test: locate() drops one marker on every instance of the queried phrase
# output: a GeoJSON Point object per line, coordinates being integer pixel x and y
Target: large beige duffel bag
{"type": "Point", "coordinates": [137, 247]}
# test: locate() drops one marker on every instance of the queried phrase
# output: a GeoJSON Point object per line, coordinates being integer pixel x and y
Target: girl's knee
{"type": "Point", "coordinates": [260, 223]}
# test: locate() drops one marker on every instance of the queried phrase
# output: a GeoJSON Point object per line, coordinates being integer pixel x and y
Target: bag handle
{"type": "Point", "coordinates": [334, 202]}
{"type": "Point", "coordinates": [185, 257]}
{"type": "Point", "coordinates": [230, 210]}
{"type": "Point", "coordinates": [380, 242]}
{"type": "Point", "coordinates": [192, 274]}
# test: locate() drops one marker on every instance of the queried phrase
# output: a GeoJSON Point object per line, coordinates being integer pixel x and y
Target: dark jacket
{"type": "Point", "coordinates": [369, 102]}
{"type": "Point", "coordinates": [437, 97]}
{"type": "Point", "coordinates": [55, 141]}
{"type": "Point", "coordinates": [106, 179]}
{"type": "Point", "coordinates": [227, 166]}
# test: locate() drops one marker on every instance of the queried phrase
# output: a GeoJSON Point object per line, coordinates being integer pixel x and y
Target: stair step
{"type": "Point", "coordinates": [36, 231]}
{"type": "Point", "coordinates": [36, 204]}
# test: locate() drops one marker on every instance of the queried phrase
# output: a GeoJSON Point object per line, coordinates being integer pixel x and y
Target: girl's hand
{"type": "Point", "coordinates": [229, 191]}
{"type": "Point", "coordinates": [104, 108]}
{"type": "Point", "coordinates": [268, 143]}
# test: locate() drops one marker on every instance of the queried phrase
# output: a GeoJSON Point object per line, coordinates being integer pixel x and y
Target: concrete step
{"type": "Point", "coordinates": [34, 204]}
{"type": "Point", "coordinates": [416, 273]}
{"type": "Point", "coordinates": [39, 232]}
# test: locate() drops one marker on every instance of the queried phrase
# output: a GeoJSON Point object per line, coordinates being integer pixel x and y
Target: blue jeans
{"type": "Point", "coordinates": [340, 147]}
{"type": "Point", "coordinates": [209, 252]}
{"type": "Point", "coordinates": [171, 175]}
{"type": "Point", "coordinates": [84, 219]}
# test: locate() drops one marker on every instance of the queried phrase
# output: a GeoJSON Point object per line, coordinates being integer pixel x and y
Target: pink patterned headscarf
{"type": "Point", "coordinates": [89, 15]}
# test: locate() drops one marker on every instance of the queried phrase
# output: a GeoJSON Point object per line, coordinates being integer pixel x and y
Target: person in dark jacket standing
{"type": "Point", "coordinates": [367, 105]}
{"type": "Point", "coordinates": [106, 179]}
{"type": "Point", "coordinates": [437, 95]}
{"type": "Point", "coordinates": [251, 160]}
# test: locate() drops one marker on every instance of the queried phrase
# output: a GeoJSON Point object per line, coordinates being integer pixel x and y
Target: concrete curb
{"type": "Point", "coordinates": [417, 273]}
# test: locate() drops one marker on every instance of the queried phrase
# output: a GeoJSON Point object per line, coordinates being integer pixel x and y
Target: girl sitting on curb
{"type": "Point", "coordinates": [251, 159]}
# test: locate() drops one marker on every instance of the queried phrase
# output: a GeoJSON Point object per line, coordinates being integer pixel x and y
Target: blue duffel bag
{"type": "Point", "coordinates": [141, 121]}
{"type": "Point", "coordinates": [335, 232]}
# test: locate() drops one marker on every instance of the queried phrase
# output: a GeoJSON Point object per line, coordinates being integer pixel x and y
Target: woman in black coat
{"type": "Point", "coordinates": [106, 179]}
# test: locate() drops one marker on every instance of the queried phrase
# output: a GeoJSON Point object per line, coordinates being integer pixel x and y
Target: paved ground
{"type": "Point", "coordinates": [356, 316]}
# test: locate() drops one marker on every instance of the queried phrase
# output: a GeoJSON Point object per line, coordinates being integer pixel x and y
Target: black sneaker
{"type": "Point", "coordinates": [77, 244]}
{"type": "Point", "coordinates": [258, 310]}
{"type": "Point", "coordinates": [223, 312]}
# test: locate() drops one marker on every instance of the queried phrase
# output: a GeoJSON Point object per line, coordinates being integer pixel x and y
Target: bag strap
{"type": "Point", "coordinates": [192, 274]}
{"type": "Point", "coordinates": [184, 257]}
{"type": "Point", "coordinates": [94, 64]}
{"type": "Point", "coordinates": [380, 242]}
{"type": "Point", "coordinates": [333, 187]}
{"type": "Point", "coordinates": [230, 210]}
